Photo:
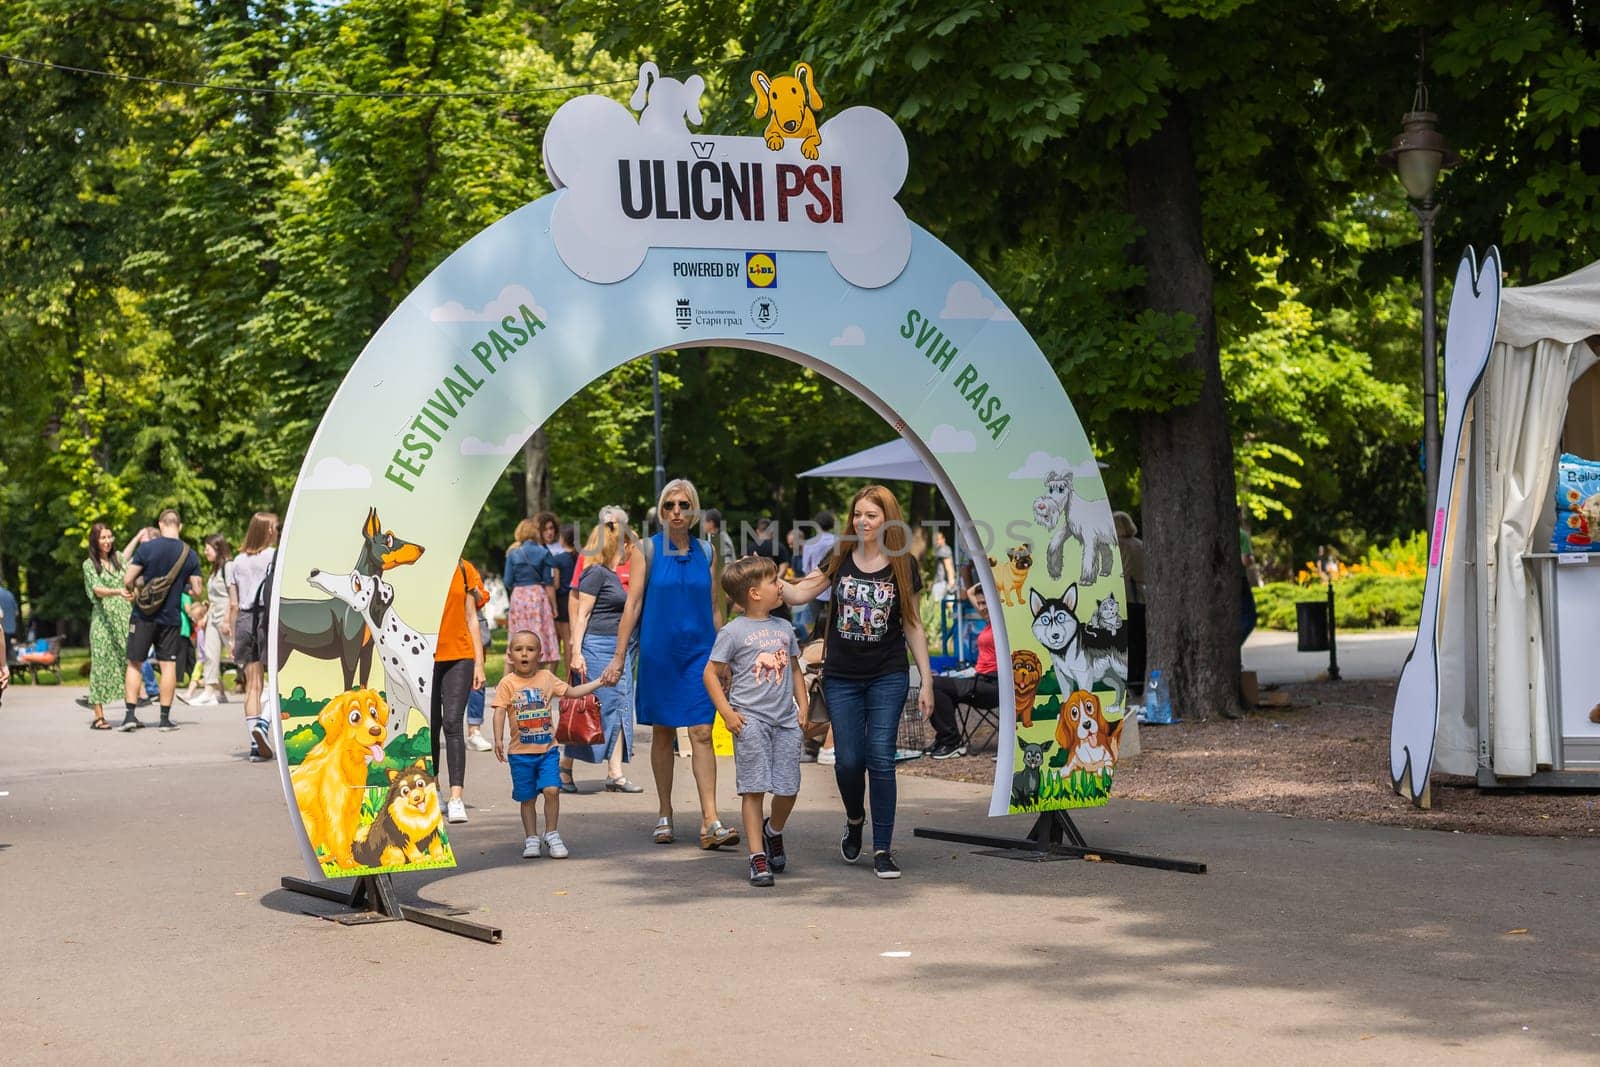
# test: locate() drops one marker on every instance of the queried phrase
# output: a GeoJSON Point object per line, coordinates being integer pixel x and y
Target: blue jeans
{"type": "Point", "coordinates": [148, 672]}
{"type": "Point", "coordinates": [475, 707]}
{"type": "Point", "coordinates": [866, 722]}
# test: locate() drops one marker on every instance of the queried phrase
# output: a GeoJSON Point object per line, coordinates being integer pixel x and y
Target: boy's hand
{"type": "Point", "coordinates": [733, 721]}
{"type": "Point", "coordinates": [804, 708]}
{"type": "Point", "coordinates": [499, 750]}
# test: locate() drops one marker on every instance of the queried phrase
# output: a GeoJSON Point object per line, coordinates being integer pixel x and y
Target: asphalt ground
{"type": "Point", "coordinates": [143, 922]}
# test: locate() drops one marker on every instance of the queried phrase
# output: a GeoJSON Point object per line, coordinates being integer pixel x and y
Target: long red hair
{"type": "Point", "coordinates": [892, 538]}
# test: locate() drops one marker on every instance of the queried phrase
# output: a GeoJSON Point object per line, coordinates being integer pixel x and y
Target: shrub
{"type": "Point", "coordinates": [1361, 602]}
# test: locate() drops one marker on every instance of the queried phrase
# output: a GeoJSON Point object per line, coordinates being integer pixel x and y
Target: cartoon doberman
{"type": "Point", "coordinates": [332, 629]}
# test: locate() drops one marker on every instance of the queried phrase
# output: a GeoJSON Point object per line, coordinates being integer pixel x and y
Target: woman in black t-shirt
{"type": "Point", "coordinates": [871, 623]}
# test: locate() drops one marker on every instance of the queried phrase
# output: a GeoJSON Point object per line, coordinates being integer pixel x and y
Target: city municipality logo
{"type": "Point", "coordinates": [760, 270]}
{"type": "Point", "coordinates": [764, 313]}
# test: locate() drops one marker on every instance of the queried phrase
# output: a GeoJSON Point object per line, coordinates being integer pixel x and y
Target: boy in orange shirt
{"type": "Point", "coordinates": [525, 701]}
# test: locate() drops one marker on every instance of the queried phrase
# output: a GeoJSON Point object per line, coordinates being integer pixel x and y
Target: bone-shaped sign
{"type": "Point", "coordinates": [630, 186]}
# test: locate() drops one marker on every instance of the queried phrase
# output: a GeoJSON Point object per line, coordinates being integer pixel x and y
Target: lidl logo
{"type": "Point", "coordinates": [760, 270]}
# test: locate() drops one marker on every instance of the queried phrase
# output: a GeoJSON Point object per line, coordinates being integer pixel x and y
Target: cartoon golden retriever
{"type": "Point", "coordinates": [1026, 672]}
{"type": "Point", "coordinates": [331, 781]}
{"type": "Point", "coordinates": [793, 103]}
{"type": "Point", "coordinates": [1090, 744]}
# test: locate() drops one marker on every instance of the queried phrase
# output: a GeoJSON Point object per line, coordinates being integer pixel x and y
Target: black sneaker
{"type": "Point", "coordinates": [948, 751]}
{"type": "Point", "coordinates": [167, 725]}
{"type": "Point", "coordinates": [760, 870]}
{"type": "Point", "coordinates": [776, 857]}
{"type": "Point", "coordinates": [130, 723]}
{"type": "Point", "coordinates": [850, 843]}
{"type": "Point", "coordinates": [884, 866]}
{"type": "Point", "coordinates": [260, 739]}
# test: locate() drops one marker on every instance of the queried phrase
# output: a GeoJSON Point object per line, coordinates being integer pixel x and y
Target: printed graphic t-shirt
{"type": "Point", "coordinates": [157, 557]}
{"type": "Point", "coordinates": [454, 640]}
{"type": "Point", "coordinates": [531, 705]}
{"type": "Point", "coordinates": [867, 638]}
{"type": "Point", "coordinates": [760, 654]}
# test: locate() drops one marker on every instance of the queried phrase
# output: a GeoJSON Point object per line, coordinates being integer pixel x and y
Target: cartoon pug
{"type": "Point", "coordinates": [331, 781]}
{"type": "Point", "coordinates": [1011, 575]}
{"type": "Point", "coordinates": [407, 827]}
{"type": "Point", "coordinates": [1026, 673]}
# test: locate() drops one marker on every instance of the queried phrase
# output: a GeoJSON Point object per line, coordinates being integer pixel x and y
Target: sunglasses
{"type": "Point", "coordinates": [676, 505]}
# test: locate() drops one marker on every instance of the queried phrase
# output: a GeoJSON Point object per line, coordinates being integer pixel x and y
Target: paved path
{"type": "Point", "coordinates": [1363, 654]}
{"type": "Point", "coordinates": [142, 923]}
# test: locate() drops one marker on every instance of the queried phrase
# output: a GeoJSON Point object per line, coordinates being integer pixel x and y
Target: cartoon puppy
{"type": "Point", "coordinates": [1026, 673]}
{"type": "Point", "coordinates": [793, 103]}
{"type": "Point", "coordinates": [1090, 744]}
{"type": "Point", "coordinates": [331, 781]}
{"type": "Point", "coordinates": [407, 828]}
{"type": "Point", "coordinates": [1011, 575]}
{"type": "Point", "coordinates": [1025, 783]}
{"type": "Point", "coordinates": [407, 655]}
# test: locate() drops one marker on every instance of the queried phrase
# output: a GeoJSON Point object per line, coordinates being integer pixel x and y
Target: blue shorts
{"type": "Point", "coordinates": [534, 772]}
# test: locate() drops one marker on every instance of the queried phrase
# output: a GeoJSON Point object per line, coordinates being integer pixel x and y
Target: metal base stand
{"type": "Point", "coordinates": [1055, 836]}
{"type": "Point", "coordinates": [374, 895]}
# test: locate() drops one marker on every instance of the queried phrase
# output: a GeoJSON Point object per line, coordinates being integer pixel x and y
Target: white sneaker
{"type": "Point", "coordinates": [557, 847]}
{"type": "Point", "coordinates": [201, 699]}
{"type": "Point", "coordinates": [530, 848]}
{"type": "Point", "coordinates": [456, 810]}
{"type": "Point", "coordinates": [478, 743]}
{"type": "Point", "coordinates": [825, 757]}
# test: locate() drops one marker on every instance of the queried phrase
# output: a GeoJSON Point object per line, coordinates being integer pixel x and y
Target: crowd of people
{"type": "Point", "coordinates": [668, 629]}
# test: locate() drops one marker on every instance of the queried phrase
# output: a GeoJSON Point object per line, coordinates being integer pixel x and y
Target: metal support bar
{"type": "Point", "coordinates": [1333, 641]}
{"type": "Point", "coordinates": [375, 897]}
{"type": "Point", "coordinates": [1046, 838]}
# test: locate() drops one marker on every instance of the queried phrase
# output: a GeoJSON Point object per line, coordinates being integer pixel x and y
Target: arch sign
{"type": "Point", "coordinates": [786, 243]}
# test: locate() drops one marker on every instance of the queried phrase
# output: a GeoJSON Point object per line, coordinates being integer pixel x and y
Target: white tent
{"type": "Point", "coordinates": [1514, 709]}
{"type": "Point", "coordinates": [893, 460]}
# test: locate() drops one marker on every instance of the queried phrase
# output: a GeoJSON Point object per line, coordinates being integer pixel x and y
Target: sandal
{"type": "Point", "coordinates": [716, 835]}
{"type": "Point", "coordinates": [100, 724]}
{"type": "Point", "coordinates": [567, 784]}
{"type": "Point", "coordinates": [663, 831]}
{"type": "Point", "coordinates": [622, 785]}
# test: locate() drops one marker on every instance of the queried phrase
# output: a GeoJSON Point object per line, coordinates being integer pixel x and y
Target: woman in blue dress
{"type": "Point", "coordinates": [670, 602]}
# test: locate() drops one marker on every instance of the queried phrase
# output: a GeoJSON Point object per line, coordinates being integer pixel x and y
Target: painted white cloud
{"type": "Point", "coordinates": [473, 446]}
{"type": "Point", "coordinates": [510, 298]}
{"type": "Point", "coordinates": [851, 336]}
{"type": "Point", "coordinates": [1038, 465]}
{"type": "Point", "coordinates": [334, 473]}
{"type": "Point", "coordinates": [966, 301]}
{"type": "Point", "coordinates": [946, 439]}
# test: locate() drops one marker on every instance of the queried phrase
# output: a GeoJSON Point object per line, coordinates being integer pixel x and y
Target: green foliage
{"type": "Point", "coordinates": [1080, 788]}
{"type": "Point", "coordinates": [1361, 602]}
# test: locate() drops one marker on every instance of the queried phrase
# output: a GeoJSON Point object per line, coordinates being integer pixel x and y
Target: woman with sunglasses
{"type": "Point", "coordinates": [871, 623]}
{"type": "Point", "coordinates": [670, 601]}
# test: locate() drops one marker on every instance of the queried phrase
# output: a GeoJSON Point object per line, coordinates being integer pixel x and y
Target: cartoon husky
{"type": "Point", "coordinates": [1070, 516]}
{"type": "Point", "coordinates": [1078, 663]}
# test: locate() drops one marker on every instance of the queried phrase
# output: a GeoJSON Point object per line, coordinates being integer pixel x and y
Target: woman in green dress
{"type": "Point", "coordinates": [108, 619]}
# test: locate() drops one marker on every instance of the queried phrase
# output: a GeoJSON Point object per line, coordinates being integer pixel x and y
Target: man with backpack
{"type": "Point", "coordinates": [160, 571]}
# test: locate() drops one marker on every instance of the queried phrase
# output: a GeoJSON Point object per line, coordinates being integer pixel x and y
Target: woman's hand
{"type": "Point", "coordinates": [477, 674]}
{"type": "Point", "coordinates": [925, 701]}
{"type": "Point", "coordinates": [612, 674]}
{"type": "Point", "coordinates": [576, 662]}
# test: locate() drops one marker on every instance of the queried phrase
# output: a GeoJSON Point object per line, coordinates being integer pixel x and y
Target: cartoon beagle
{"type": "Point", "coordinates": [792, 103]}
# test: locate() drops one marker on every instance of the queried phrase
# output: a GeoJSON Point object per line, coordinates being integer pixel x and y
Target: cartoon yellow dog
{"type": "Point", "coordinates": [793, 103]}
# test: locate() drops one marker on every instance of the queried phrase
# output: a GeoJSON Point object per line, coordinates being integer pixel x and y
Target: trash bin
{"type": "Point", "coordinates": [1311, 625]}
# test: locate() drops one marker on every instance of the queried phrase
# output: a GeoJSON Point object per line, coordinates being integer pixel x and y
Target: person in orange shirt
{"type": "Point", "coordinates": [457, 670]}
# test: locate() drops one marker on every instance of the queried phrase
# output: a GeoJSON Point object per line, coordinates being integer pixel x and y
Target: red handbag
{"type": "Point", "coordinates": [579, 721]}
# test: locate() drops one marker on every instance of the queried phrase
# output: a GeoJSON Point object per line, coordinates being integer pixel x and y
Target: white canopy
{"type": "Point", "coordinates": [1491, 640]}
{"type": "Point", "coordinates": [892, 460]}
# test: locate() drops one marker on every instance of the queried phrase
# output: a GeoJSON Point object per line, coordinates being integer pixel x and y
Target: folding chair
{"type": "Point", "coordinates": [973, 718]}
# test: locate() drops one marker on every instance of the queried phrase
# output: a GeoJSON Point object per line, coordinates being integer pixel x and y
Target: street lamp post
{"type": "Point", "coordinates": [1419, 152]}
{"type": "Point", "coordinates": [655, 397]}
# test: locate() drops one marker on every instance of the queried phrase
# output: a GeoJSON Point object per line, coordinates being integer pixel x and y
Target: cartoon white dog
{"type": "Point", "coordinates": [663, 103]}
{"type": "Point", "coordinates": [1070, 516]}
{"type": "Point", "coordinates": [406, 654]}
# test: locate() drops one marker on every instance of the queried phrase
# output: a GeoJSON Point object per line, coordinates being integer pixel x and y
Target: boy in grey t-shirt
{"type": "Point", "coordinates": [751, 678]}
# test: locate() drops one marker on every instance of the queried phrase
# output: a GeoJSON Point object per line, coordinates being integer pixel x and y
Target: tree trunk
{"type": "Point", "coordinates": [1188, 500]}
{"type": "Point", "coordinates": [536, 472]}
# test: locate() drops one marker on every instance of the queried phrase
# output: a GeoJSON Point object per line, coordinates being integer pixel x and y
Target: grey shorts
{"type": "Point", "coordinates": [249, 644]}
{"type": "Point", "coordinates": [766, 758]}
